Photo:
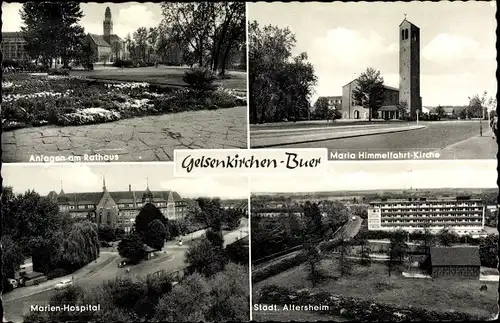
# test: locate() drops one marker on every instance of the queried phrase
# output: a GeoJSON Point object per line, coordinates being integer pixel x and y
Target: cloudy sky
{"type": "Point", "coordinates": [127, 17]}
{"type": "Point", "coordinates": [380, 175]}
{"type": "Point", "coordinates": [458, 55]}
{"type": "Point", "coordinates": [88, 178]}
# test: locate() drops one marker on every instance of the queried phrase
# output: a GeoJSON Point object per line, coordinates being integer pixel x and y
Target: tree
{"type": "Point", "coordinates": [365, 251]}
{"type": "Point", "coordinates": [130, 46]}
{"type": "Point", "coordinates": [369, 92]}
{"type": "Point", "coordinates": [155, 235]}
{"type": "Point", "coordinates": [132, 248]}
{"type": "Point", "coordinates": [403, 110]}
{"type": "Point", "coordinates": [204, 258]}
{"type": "Point", "coordinates": [141, 41]}
{"type": "Point", "coordinates": [448, 237]}
{"type": "Point", "coordinates": [398, 248]}
{"type": "Point", "coordinates": [488, 251]}
{"type": "Point", "coordinates": [313, 261]}
{"type": "Point", "coordinates": [344, 248]}
{"type": "Point", "coordinates": [211, 212]}
{"type": "Point", "coordinates": [231, 218]}
{"type": "Point", "coordinates": [81, 245]}
{"type": "Point", "coordinates": [312, 214]}
{"type": "Point", "coordinates": [12, 257]}
{"type": "Point", "coordinates": [187, 302]}
{"type": "Point", "coordinates": [148, 213]}
{"type": "Point", "coordinates": [280, 84]}
{"type": "Point", "coordinates": [479, 104]}
{"type": "Point", "coordinates": [440, 112]}
{"type": "Point", "coordinates": [337, 214]}
{"type": "Point", "coordinates": [51, 30]}
{"type": "Point", "coordinates": [229, 295]}
{"type": "Point", "coordinates": [86, 55]}
{"type": "Point", "coordinates": [237, 252]}
{"type": "Point", "coordinates": [106, 233]}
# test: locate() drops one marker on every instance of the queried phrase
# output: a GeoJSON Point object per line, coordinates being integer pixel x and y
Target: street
{"type": "Point", "coordinates": [452, 139]}
{"type": "Point", "coordinates": [17, 303]}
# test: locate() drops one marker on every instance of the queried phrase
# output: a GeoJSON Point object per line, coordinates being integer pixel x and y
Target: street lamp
{"type": "Point", "coordinates": [418, 112]}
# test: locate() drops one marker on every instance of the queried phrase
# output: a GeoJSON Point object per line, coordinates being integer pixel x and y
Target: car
{"type": "Point", "coordinates": [180, 243]}
{"type": "Point", "coordinates": [122, 264]}
{"type": "Point", "coordinates": [64, 284]}
{"type": "Point", "coordinates": [13, 282]}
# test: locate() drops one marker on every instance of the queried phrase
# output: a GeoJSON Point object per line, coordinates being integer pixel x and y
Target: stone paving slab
{"type": "Point", "coordinates": [477, 147]}
{"type": "Point", "coordinates": [151, 138]}
{"type": "Point", "coordinates": [274, 140]}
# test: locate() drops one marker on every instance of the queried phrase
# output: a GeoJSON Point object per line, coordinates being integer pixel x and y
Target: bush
{"type": "Point", "coordinates": [200, 80]}
{"type": "Point", "coordinates": [354, 308]}
{"type": "Point", "coordinates": [87, 116]}
{"type": "Point", "coordinates": [123, 63]}
{"type": "Point", "coordinates": [10, 63]}
{"type": "Point", "coordinates": [61, 72]}
{"type": "Point", "coordinates": [58, 272]}
{"type": "Point", "coordinates": [278, 267]}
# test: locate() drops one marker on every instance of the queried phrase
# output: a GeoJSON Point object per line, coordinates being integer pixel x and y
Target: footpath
{"type": "Point", "coordinates": [471, 148]}
{"type": "Point", "coordinates": [276, 137]}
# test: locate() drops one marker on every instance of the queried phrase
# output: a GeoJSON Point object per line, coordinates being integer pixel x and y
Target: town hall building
{"type": "Point", "coordinates": [409, 82]}
{"type": "Point", "coordinates": [118, 209]}
{"type": "Point", "coordinates": [107, 47]}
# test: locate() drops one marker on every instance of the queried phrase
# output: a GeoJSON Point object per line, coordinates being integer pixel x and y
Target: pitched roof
{"type": "Point", "coordinates": [8, 34]}
{"type": "Point", "coordinates": [455, 256]}
{"type": "Point", "coordinates": [115, 38]}
{"type": "Point", "coordinates": [391, 88]}
{"type": "Point", "coordinates": [99, 40]}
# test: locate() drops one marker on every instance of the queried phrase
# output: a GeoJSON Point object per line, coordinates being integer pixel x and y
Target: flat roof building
{"type": "Point", "coordinates": [463, 215]}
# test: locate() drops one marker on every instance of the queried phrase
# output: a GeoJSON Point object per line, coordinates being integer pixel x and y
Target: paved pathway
{"type": "Point", "coordinates": [263, 138]}
{"type": "Point", "coordinates": [151, 138]}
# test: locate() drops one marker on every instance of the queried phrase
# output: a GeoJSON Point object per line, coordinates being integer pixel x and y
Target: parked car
{"type": "Point", "coordinates": [13, 282]}
{"type": "Point", "coordinates": [122, 264]}
{"type": "Point", "coordinates": [63, 284]}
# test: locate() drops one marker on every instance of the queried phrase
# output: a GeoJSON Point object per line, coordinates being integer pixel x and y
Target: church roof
{"type": "Point", "coordinates": [120, 197]}
{"type": "Point", "coordinates": [99, 40]}
{"type": "Point", "coordinates": [115, 38]}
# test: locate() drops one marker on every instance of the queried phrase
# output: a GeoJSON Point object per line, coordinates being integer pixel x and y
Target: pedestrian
{"type": "Point", "coordinates": [494, 127]}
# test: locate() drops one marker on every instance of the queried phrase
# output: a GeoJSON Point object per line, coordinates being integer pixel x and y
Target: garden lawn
{"type": "Point", "coordinates": [165, 75]}
{"type": "Point", "coordinates": [373, 283]}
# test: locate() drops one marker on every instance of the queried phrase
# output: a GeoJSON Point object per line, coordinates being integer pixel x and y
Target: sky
{"type": "Point", "coordinates": [89, 178]}
{"type": "Point", "coordinates": [380, 175]}
{"type": "Point", "coordinates": [457, 47]}
{"type": "Point", "coordinates": [127, 16]}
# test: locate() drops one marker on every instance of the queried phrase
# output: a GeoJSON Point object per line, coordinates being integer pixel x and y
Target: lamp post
{"type": "Point", "coordinates": [418, 112]}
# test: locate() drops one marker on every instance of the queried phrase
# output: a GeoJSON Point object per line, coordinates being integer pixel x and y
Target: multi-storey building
{"type": "Point", "coordinates": [13, 46]}
{"type": "Point", "coordinates": [463, 215]}
{"type": "Point", "coordinates": [119, 209]}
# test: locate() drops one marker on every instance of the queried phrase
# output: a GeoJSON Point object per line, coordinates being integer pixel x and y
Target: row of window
{"type": "Point", "coordinates": [426, 205]}
{"type": "Point", "coordinates": [435, 211]}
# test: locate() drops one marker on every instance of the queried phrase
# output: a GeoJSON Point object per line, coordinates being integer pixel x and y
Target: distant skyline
{"type": "Point", "coordinates": [89, 178]}
{"type": "Point", "coordinates": [385, 175]}
{"type": "Point", "coordinates": [127, 16]}
{"type": "Point", "coordinates": [458, 43]}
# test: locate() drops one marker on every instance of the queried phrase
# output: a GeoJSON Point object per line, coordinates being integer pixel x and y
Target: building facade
{"type": "Point", "coordinates": [119, 209]}
{"type": "Point", "coordinates": [107, 47]}
{"type": "Point", "coordinates": [13, 46]}
{"type": "Point", "coordinates": [409, 82]}
{"type": "Point", "coordinates": [409, 67]}
{"type": "Point", "coordinates": [460, 261]}
{"type": "Point", "coordinates": [462, 215]}
{"type": "Point", "coordinates": [350, 110]}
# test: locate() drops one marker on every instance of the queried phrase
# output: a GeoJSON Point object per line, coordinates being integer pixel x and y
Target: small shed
{"type": "Point", "coordinates": [458, 261]}
{"type": "Point", "coordinates": [148, 252]}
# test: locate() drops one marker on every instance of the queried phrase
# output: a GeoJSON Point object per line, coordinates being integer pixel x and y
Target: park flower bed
{"type": "Point", "coordinates": [40, 99]}
{"type": "Point", "coordinates": [354, 308]}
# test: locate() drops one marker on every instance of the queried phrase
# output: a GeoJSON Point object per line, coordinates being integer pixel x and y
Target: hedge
{"type": "Point", "coordinates": [278, 267]}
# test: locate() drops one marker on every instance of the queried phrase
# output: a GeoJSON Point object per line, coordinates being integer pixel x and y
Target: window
{"type": "Point", "coordinates": [406, 33]}
{"type": "Point", "coordinates": [402, 34]}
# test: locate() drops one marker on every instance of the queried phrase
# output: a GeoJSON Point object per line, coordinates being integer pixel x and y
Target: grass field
{"type": "Point", "coordinates": [162, 75]}
{"type": "Point", "coordinates": [373, 283]}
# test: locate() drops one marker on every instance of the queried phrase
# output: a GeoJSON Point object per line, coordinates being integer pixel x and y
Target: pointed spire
{"type": "Point", "coordinates": [405, 16]}
{"type": "Point", "coordinates": [103, 183]}
{"type": "Point", "coordinates": [62, 191]}
{"type": "Point", "coordinates": [147, 183]}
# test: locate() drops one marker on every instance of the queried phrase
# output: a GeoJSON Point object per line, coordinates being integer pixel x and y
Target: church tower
{"type": "Point", "coordinates": [409, 67]}
{"type": "Point", "coordinates": [107, 25]}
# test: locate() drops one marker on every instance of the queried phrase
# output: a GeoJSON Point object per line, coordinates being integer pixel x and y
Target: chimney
{"type": "Point", "coordinates": [129, 188]}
